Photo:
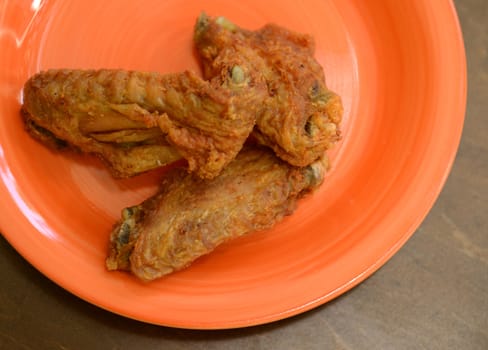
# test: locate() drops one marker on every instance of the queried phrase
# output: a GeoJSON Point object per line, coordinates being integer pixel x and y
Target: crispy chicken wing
{"type": "Point", "coordinates": [190, 217]}
{"type": "Point", "coordinates": [299, 118]}
{"type": "Point", "coordinates": [137, 121]}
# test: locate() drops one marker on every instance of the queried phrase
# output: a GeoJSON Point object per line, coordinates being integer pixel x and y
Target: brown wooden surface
{"type": "Point", "coordinates": [433, 294]}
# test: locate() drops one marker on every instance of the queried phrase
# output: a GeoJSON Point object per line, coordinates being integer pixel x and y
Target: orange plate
{"type": "Point", "coordinates": [400, 68]}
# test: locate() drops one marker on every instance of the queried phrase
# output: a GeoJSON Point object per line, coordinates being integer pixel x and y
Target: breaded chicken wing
{"type": "Point", "coordinates": [299, 118]}
{"type": "Point", "coordinates": [190, 217]}
{"type": "Point", "coordinates": [137, 121]}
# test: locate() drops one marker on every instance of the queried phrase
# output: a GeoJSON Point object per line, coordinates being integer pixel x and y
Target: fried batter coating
{"type": "Point", "coordinates": [299, 118]}
{"type": "Point", "coordinates": [137, 121]}
{"type": "Point", "coordinates": [190, 217]}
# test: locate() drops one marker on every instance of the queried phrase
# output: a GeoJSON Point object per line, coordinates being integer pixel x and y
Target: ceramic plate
{"type": "Point", "coordinates": [400, 69]}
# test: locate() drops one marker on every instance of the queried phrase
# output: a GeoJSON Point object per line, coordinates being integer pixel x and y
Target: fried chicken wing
{"type": "Point", "coordinates": [137, 121]}
{"type": "Point", "coordinates": [190, 217]}
{"type": "Point", "coordinates": [299, 118]}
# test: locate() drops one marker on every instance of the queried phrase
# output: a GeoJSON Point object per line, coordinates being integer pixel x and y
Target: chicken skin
{"type": "Point", "coordinates": [299, 118]}
{"type": "Point", "coordinates": [189, 217]}
{"type": "Point", "coordinates": [137, 121]}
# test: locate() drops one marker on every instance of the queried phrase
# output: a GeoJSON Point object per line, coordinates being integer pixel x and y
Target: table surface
{"type": "Point", "coordinates": [433, 294]}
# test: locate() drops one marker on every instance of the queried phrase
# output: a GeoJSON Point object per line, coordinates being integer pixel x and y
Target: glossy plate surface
{"type": "Point", "coordinates": [400, 69]}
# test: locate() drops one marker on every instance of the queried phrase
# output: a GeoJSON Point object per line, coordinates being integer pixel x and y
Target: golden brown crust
{"type": "Point", "coordinates": [190, 217]}
{"type": "Point", "coordinates": [299, 117]}
{"type": "Point", "coordinates": [204, 124]}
